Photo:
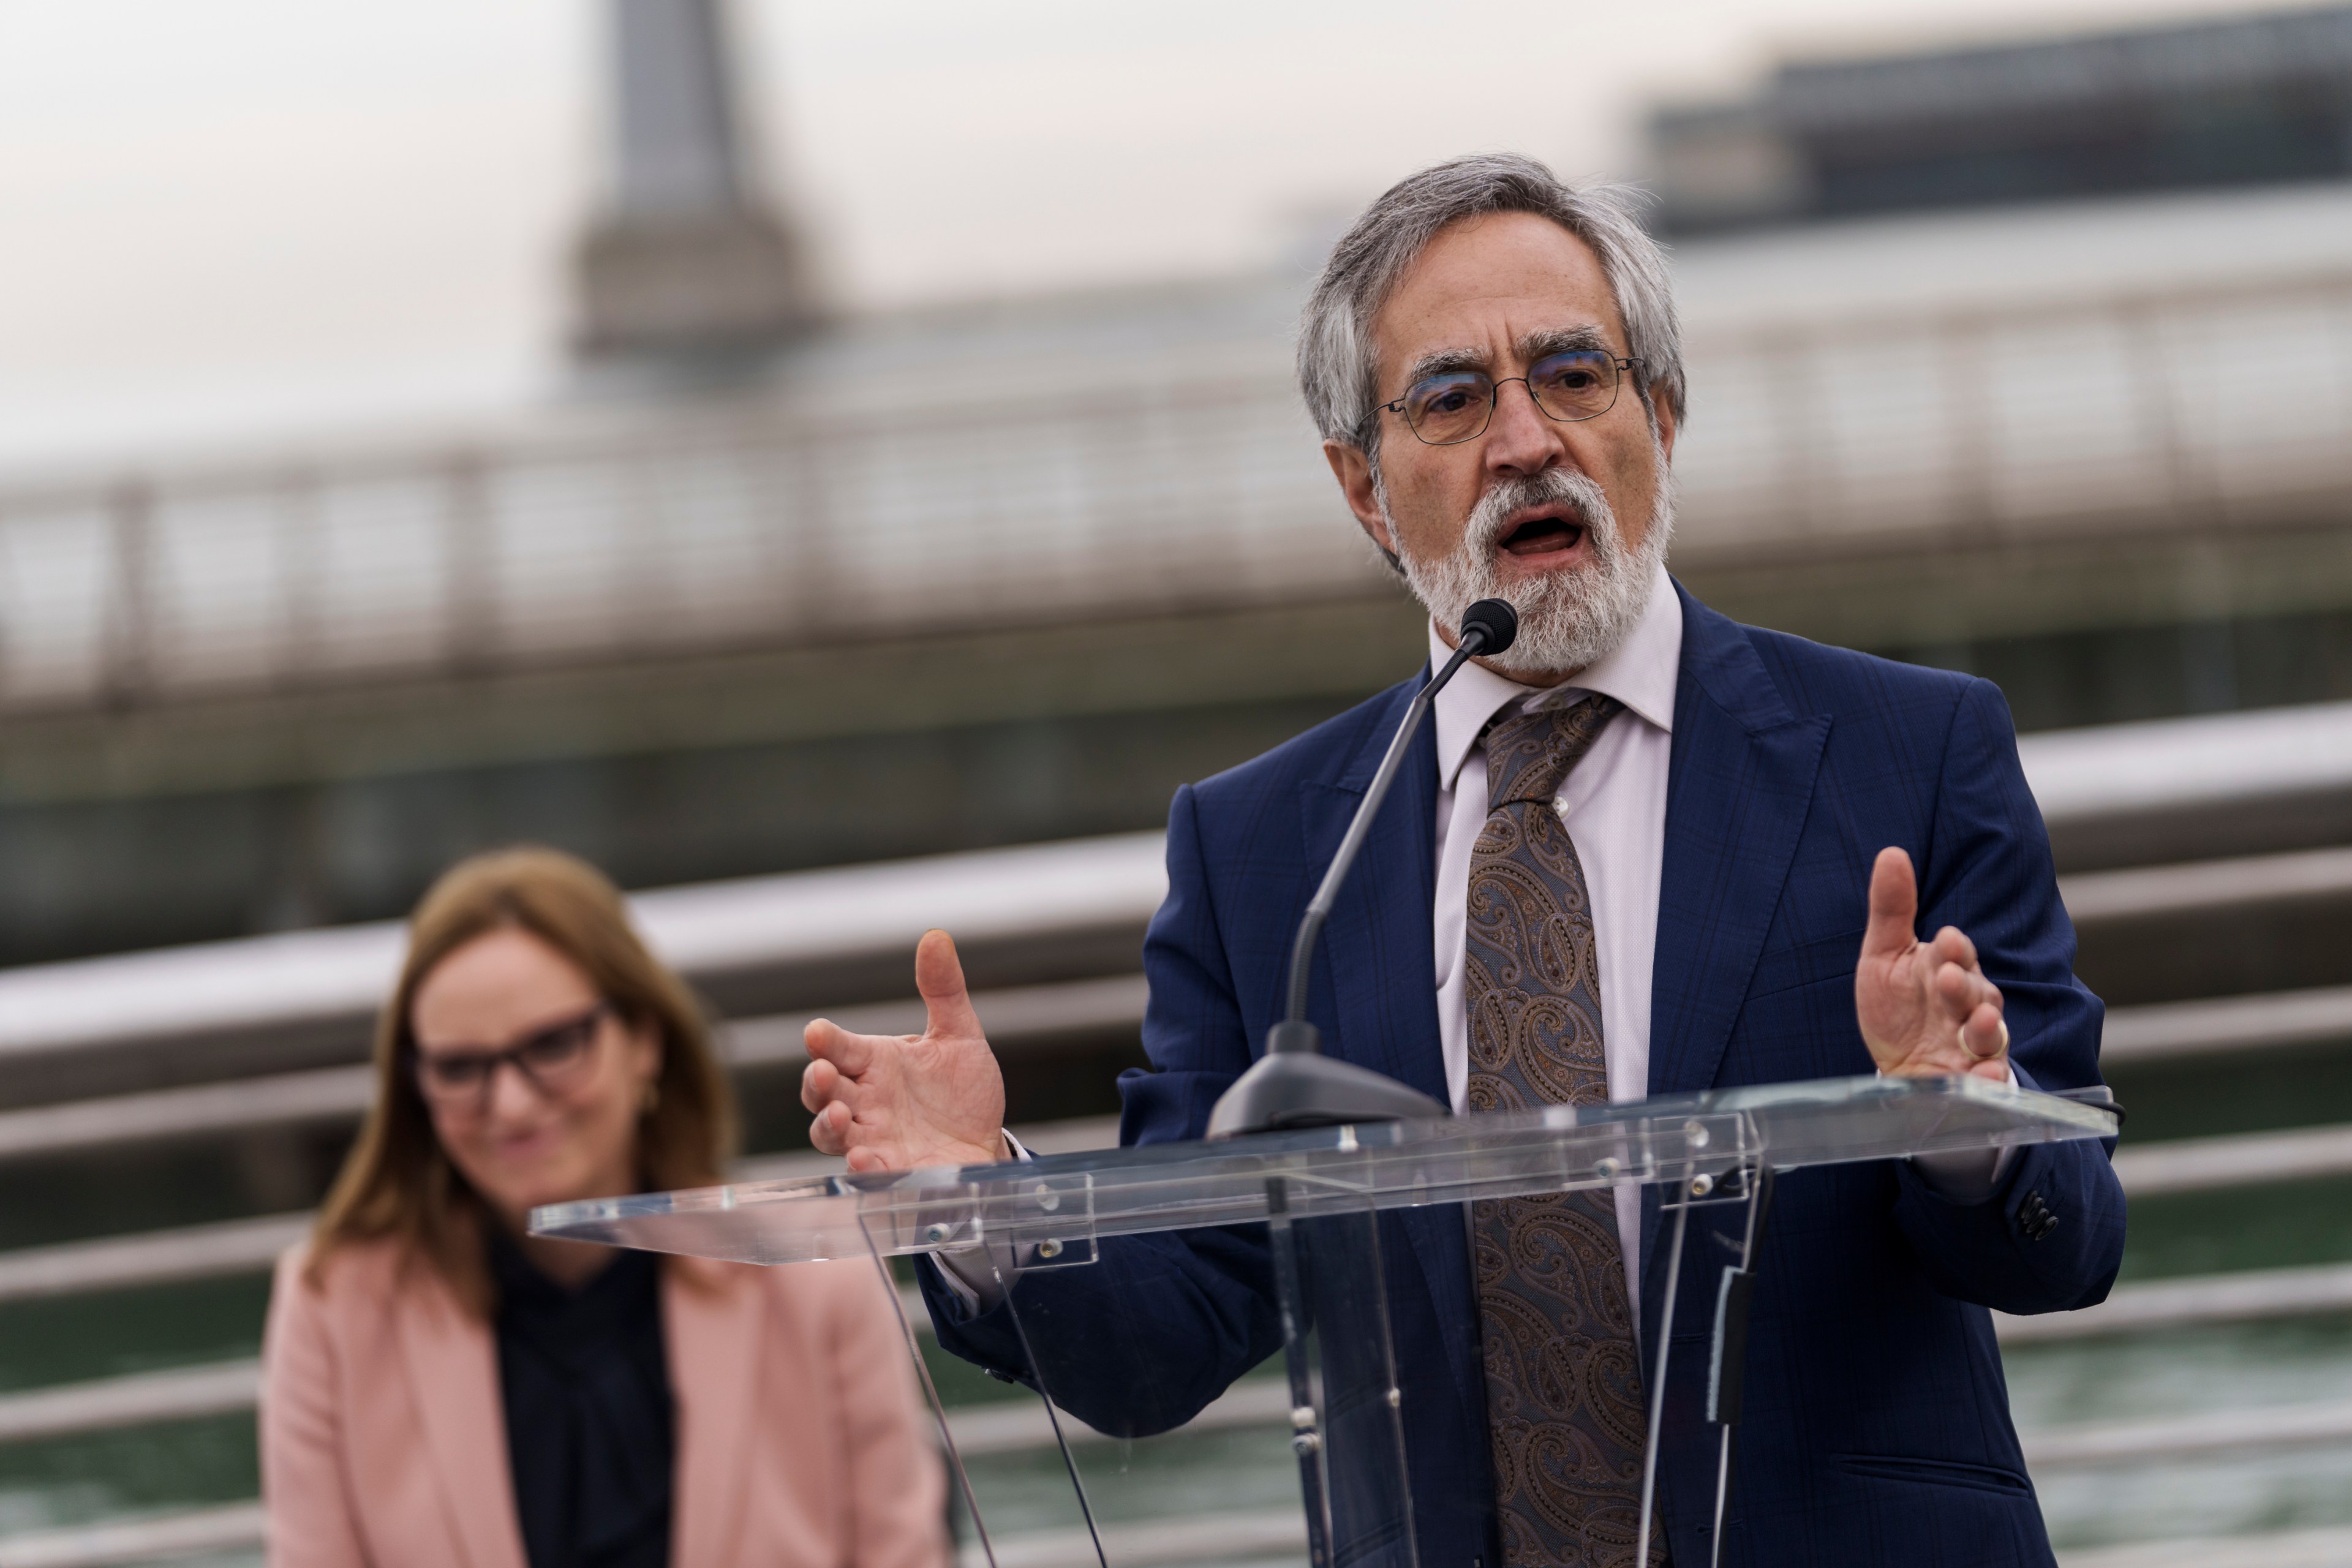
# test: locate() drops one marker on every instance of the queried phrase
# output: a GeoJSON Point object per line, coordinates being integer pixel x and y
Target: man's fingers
{"type": "Point", "coordinates": [820, 1083]}
{"type": "Point", "coordinates": [1953, 946]}
{"type": "Point", "coordinates": [1894, 906]}
{"type": "Point", "coordinates": [1960, 992]}
{"type": "Point", "coordinates": [1956, 990]}
{"type": "Point", "coordinates": [938, 975]}
{"type": "Point", "coordinates": [829, 1132]}
{"type": "Point", "coordinates": [1984, 1035]}
{"type": "Point", "coordinates": [829, 1042]}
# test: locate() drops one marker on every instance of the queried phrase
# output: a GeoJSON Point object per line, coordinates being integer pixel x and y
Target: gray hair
{"type": "Point", "coordinates": [1335, 362]}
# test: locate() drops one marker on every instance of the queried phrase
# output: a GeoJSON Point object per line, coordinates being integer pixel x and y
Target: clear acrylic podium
{"type": "Point", "coordinates": [1039, 1487]}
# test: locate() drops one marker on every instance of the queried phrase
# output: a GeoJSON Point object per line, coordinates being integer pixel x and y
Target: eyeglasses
{"type": "Point", "coordinates": [1456, 406]}
{"type": "Point", "coordinates": [554, 1060]}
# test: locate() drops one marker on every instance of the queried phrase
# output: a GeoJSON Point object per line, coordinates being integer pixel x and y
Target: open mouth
{"type": "Point", "coordinates": [1549, 534]}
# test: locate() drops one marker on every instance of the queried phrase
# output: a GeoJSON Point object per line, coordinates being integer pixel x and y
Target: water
{"type": "Point", "coordinates": [155, 1470]}
{"type": "Point", "coordinates": [2151, 1376]}
{"type": "Point", "coordinates": [1181, 1476]}
{"type": "Point", "coordinates": [73, 1338]}
{"type": "Point", "coordinates": [111, 1475]}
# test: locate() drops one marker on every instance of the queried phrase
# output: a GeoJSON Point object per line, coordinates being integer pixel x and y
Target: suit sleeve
{"type": "Point", "coordinates": [1139, 1340]}
{"type": "Point", "coordinates": [302, 1462]}
{"type": "Point", "coordinates": [1989, 872]}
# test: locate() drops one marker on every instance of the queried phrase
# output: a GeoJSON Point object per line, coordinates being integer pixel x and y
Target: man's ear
{"type": "Point", "coordinates": [1662, 414]}
{"type": "Point", "coordinates": [1353, 469]}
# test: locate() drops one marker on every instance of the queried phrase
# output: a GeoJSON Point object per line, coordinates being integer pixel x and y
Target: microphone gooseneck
{"type": "Point", "coordinates": [1294, 1084]}
{"type": "Point", "coordinates": [1488, 626]}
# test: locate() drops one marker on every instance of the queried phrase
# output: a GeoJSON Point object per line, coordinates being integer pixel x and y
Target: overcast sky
{"type": "Point", "coordinates": [242, 219]}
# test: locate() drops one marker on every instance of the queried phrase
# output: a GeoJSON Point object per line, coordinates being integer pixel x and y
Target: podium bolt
{"type": "Point", "coordinates": [1701, 1186]}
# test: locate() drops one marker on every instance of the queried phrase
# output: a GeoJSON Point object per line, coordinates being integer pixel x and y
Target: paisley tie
{"type": "Point", "coordinates": [1565, 1411]}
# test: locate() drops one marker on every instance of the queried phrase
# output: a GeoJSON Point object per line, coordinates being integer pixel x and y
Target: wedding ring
{"type": "Point", "coordinates": [2000, 1051]}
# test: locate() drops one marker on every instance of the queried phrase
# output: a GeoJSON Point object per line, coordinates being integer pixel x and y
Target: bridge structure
{"type": "Point", "coordinates": [1028, 563]}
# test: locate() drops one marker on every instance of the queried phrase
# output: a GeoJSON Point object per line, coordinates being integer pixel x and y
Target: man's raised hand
{"type": "Point", "coordinates": [904, 1102]}
{"type": "Point", "coordinates": [1926, 1008]}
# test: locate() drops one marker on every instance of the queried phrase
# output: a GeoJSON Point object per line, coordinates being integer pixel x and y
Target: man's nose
{"type": "Point", "coordinates": [1520, 440]}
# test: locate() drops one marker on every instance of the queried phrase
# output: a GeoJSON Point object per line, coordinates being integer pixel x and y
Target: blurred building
{"type": "Point", "coordinates": [2249, 101]}
{"type": "Point", "coordinates": [687, 262]}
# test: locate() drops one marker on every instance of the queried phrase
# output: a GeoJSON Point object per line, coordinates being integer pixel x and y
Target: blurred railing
{"type": "Point", "coordinates": [2169, 409]}
{"type": "Point", "coordinates": [2157, 776]}
{"type": "Point", "coordinates": [753, 524]}
{"type": "Point", "coordinates": [825, 510]}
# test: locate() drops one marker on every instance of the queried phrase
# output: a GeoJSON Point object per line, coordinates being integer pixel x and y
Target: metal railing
{"type": "Point", "coordinates": [829, 508]}
{"type": "Point", "coordinates": [756, 524]}
{"type": "Point", "coordinates": [1228, 1537]}
{"type": "Point", "coordinates": [248, 1245]}
{"type": "Point", "coordinates": [2086, 409]}
{"type": "Point", "coordinates": [2231, 1029]}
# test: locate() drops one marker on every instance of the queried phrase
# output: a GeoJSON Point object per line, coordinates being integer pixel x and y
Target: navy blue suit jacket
{"type": "Point", "coordinates": [1878, 1426]}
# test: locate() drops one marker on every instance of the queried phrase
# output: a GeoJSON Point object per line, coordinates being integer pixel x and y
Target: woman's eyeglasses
{"type": "Point", "coordinates": [554, 1060]}
{"type": "Point", "coordinates": [1456, 406]}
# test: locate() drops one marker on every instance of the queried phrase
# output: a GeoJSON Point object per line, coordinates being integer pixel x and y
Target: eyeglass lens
{"type": "Point", "coordinates": [1455, 405]}
{"type": "Point", "coordinates": [551, 1059]}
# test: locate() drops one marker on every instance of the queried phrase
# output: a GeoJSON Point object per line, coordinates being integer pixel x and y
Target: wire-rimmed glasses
{"type": "Point", "coordinates": [1456, 406]}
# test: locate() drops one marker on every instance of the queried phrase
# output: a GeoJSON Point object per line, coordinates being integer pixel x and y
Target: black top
{"type": "Point", "coordinates": [590, 1432]}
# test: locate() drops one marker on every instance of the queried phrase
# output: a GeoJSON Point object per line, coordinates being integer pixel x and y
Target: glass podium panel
{"type": "Point", "coordinates": [1146, 1478]}
{"type": "Point", "coordinates": [1074, 1200]}
{"type": "Point", "coordinates": [1287, 1444]}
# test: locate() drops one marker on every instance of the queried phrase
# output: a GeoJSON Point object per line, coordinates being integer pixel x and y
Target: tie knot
{"type": "Point", "coordinates": [1528, 755]}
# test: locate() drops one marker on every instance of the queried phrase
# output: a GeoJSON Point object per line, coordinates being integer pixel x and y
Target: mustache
{"type": "Point", "coordinates": [1490, 519]}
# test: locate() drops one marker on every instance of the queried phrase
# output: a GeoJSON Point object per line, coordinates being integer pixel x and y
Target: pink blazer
{"type": "Point", "coordinates": [801, 1443]}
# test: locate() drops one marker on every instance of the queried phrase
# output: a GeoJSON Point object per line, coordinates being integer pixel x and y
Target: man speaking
{"type": "Point", "coordinates": [1757, 833]}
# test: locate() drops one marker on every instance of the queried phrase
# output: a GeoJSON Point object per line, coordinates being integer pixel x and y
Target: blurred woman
{"type": "Point", "coordinates": [444, 1390]}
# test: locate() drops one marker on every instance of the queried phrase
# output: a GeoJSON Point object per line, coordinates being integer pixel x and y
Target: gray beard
{"type": "Point", "coordinates": [1567, 620]}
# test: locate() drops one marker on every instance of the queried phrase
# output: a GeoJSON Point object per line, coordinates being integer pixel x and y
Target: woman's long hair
{"type": "Point", "coordinates": [399, 1183]}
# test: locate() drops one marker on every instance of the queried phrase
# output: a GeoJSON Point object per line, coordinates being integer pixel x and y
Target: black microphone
{"type": "Point", "coordinates": [1294, 1084]}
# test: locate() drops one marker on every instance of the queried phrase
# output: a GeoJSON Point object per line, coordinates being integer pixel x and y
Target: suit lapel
{"type": "Point", "coordinates": [1738, 787]}
{"type": "Point", "coordinates": [453, 1377]}
{"type": "Point", "coordinates": [711, 1318]}
{"type": "Point", "coordinates": [1376, 978]}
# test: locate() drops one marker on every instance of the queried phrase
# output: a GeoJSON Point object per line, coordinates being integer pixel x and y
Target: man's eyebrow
{"type": "Point", "coordinates": [1534, 346]}
{"type": "Point", "coordinates": [1446, 362]}
{"type": "Point", "coordinates": [1550, 340]}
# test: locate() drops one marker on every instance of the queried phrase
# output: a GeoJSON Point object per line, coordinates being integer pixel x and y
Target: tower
{"type": "Point", "coordinates": [687, 264]}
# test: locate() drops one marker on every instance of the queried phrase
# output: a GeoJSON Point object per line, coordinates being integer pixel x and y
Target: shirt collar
{"type": "Point", "coordinates": [1641, 673]}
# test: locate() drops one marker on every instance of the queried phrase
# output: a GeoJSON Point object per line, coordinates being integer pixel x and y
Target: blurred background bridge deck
{"type": "Point", "coordinates": [820, 626]}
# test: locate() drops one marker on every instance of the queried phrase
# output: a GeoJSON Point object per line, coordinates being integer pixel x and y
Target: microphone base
{"type": "Point", "coordinates": [1294, 1089]}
